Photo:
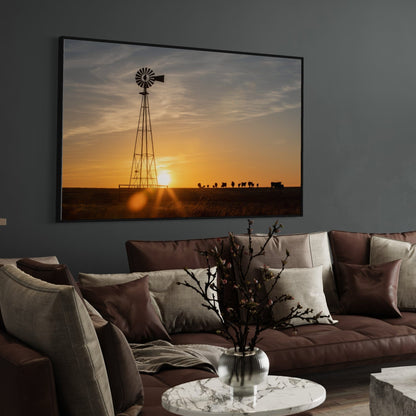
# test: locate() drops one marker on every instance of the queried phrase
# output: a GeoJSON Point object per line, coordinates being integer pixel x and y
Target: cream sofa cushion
{"type": "Point", "coordinates": [53, 320]}
{"type": "Point", "coordinates": [180, 306]}
{"type": "Point", "coordinates": [305, 286]}
{"type": "Point", "coordinates": [306, 250]}
{"type": "Point", "coordinates": [383, 250]}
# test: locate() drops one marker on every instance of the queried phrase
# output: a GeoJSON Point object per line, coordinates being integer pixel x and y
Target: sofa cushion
{"type": "Point", "coordinates": [305, 287]}
{"type": "Point", "coordinates": [27, 380]}
{"type": "Point", "coordinates": [53, 320]}
{"type": "Point", "coordinates": [354, 248]}
{"type": "Point", "coordinates": [305, 250]}
{"type": "Point", "coordinates": [49, 260]}
{"type": "Point", "coordinates": [353, 341]}
{"type": "Point", "coordinates": [58, 274]}
{"type": "Point", "coordinates": [369, 290]}
{"type": "Point", "coordinates": [109, 279]}
{"type": "Point", "coordinates": [5, 260]}
{"type": "Point", "coordinates": [124, 378]}
{"type": "Point", "coordinates": [128, 306]}
{"type": "Point", "coordinates": [179, 308]}
{"type": "Point", "coordinates": [385, 249]}
{"type": "Point", "coordinates": [349, 247]}
{"type": "Point", "coordinates": [146, 256]}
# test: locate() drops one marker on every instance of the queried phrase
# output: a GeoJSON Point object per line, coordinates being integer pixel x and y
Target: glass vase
{"type": "Point", "coordinates": [243, 371]}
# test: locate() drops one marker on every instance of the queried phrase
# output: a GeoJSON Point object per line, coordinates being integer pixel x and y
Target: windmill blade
{"type": "Point", "coordinates": [145, 77]}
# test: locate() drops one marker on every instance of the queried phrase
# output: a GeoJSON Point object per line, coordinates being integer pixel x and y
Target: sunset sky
{"type": "Point", "coordinates": [218, 117]}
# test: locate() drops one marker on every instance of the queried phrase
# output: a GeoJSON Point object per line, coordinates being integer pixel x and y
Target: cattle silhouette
{"type": "Point", "coordinates": [276, 185]}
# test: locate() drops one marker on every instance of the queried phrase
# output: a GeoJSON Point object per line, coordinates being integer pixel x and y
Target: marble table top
{"type": "Point", "coordinates": [278, 396]}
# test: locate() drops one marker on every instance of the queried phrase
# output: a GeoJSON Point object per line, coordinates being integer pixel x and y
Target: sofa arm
{"type": "Point", "coordinates": [26, 380]}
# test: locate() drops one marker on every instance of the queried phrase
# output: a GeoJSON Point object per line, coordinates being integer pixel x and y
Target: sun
{"type": "Point", "coordinates": [163, 178]}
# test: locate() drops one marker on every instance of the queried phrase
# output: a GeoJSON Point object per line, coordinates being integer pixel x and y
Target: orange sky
{"type": "Point", "coordinates": [202, 133]}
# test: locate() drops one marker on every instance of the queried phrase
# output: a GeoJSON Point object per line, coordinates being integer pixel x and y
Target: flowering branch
{"type": "Point", "coordinates": [255, 302]}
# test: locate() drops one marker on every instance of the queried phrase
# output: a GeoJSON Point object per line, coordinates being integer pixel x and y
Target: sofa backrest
{"type": "Point", "coordinates": [4, 261]}
{"type": "Point", "coordinates": [354, 248]}
{"type": "Point", "coordinates": [49, 260]}
{"type": "Point", "coordinates": [146, 256]}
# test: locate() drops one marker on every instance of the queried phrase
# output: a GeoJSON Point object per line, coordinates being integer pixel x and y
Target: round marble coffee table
{"type": "Point", "coordinates": [278, 396]}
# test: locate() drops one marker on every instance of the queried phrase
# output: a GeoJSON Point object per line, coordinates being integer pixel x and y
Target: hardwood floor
{"type": "Point", "coordinates": [347, 392]}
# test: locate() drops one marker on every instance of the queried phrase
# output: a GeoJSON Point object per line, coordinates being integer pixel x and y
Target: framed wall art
{"type": "Point", "coordinates": [150, 131]}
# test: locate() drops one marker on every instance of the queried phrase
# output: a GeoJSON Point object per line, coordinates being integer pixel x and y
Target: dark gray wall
{"type": "Point", "coordinates": [359, 112]}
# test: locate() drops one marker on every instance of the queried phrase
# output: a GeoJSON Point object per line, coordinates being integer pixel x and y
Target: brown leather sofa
{"type": "Point", "coordinates": [27, 380]}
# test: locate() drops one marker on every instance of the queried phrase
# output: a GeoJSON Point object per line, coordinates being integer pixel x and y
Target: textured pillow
{"type": "Point", "coordinates": [306, 250]}
{"type": "Point", "coordinates": [124, 378]}
{"type": "Point", "coordinates": [125, 382]}
{"type": "Point", "coordinates": [58, 274]}
{"type": "Point", "coordinates": [181, 307]}
{"type": "Point", "coordinates": [128, 306]}
{"type": "Point", "coordinates": [369, 290]}
{"type": "Point", "coordinates": [49, 259]}
{"type": "Point", "coordinates": [53, 320]}
{"type": "Point", "coordinates": [383, 250]}
{"type": "Point", "coordinates": [305, 286]}
{"type": "Point", "coordinates": [97, 280]}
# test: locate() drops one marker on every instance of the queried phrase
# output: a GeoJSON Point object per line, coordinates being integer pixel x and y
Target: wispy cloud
{"type": "Point", "coordinates": [202, 89]}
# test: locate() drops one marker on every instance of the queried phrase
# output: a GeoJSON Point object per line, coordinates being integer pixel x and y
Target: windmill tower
{"type": "Point", "coordinates": [143, 172]}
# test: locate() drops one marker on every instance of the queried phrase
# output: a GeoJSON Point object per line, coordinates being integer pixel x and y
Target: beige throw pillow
{"type": "Point", "coordinates": [383, 250]}
{"type": "Point", "coordinates": [181, 307]}
{"type": "Point", "coordinates": [306, 250]}
{"type": "Point", "coordinates": [305, 286]}
{"type": "Point", "coordinates": [53, 320]}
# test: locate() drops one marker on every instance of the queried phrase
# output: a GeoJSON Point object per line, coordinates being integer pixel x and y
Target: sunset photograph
{"type": "Point", "coordinates": [166, 132]}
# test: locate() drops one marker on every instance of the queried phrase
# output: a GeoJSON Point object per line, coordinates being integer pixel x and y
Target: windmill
{"type": "Point", "coordinates": [143, 172]}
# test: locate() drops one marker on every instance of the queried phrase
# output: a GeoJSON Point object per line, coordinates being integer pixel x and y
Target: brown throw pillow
{"type": "Point", "coordinates": [58, 274]}
{"type": "Point", "coordinates": [125, 381]}
{"type": "Point", "coordinates": [354, 248]}
{"type": "Point", "coordinates": [128, 306]}
{"type": "Point", "coordinates": [369, 289]}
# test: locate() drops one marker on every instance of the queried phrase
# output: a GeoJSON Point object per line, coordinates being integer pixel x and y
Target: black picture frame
{"type": "Point", "coordinates": [224, 127]}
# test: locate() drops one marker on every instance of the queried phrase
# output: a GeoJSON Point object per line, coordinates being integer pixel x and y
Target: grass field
{"type": "Point", "coordinates": [109, 204]}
